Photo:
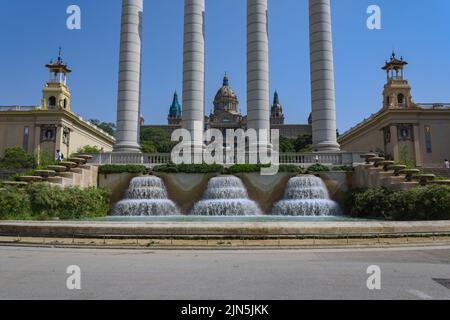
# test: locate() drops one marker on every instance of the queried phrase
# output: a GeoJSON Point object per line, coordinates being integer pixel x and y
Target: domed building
{"type": "Point", "coordinates": [226, 114]}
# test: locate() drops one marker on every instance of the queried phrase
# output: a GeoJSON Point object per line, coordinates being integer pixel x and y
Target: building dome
{"type": "Point", "coordinates": [226, 99]}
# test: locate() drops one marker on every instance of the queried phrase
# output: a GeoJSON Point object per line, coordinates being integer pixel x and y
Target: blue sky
{"type": "Point", "coordinates": [31, 32]}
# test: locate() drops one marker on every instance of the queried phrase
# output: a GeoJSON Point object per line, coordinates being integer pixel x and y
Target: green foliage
{"type": "Point", "coordinates": [14, 204]}
{"type": "Point", "coordinates": [148, 147]}
{"type": "Point", "coordinates": [128, 168]}
{"type": "Point", "coordinates": [287, 145]}
{"type": "Point", "coordinates": [245, 168]}
{"type": "Point", "coordinates": [46, 159]}
{"type": "Point", "coordinates": [303, 143]}
{"type": "Point", "coordinates": [38, 201]}
{"type": "Point", "coordinates": [156, 138]}
{"type": "Point", "coordinates": [291, 169]}
{"type": "Point", "coordinates": [406, 158]}
{"type": "Point", "coordinates": [318, 168]}
{"type": "Point", "coordinates": [89, 150]}
{"type": "Point", "coordinates": [189, 168]}
{"type": "Point", "coordinates": [343, 168]}
{"type": "Point", "coordinates": [17, 158]}
{"type": "Point", "coordinates": [17, 176]}
{"type": "Point", "coordinates": [108, 127]}
{"type": "Point", "coordinates": [423, 203]}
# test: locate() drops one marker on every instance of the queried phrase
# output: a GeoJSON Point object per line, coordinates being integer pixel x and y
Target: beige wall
{"type": "Point", "coordinates": [12, 126]}
{"type": "Point", "coordinates": [369, 136]}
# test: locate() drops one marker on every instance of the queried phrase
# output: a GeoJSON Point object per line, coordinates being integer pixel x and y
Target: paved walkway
{"type": "Point", "coordinates": [39, 273]}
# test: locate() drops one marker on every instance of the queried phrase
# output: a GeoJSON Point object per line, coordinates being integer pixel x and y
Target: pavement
{"type": "Point", "coordinates": [405, 273]}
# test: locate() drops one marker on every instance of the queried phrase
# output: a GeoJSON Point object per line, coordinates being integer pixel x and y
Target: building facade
{"type": "Point", "coordinates": [51, 125]}
{"type": "Point", "coordinates": [403, 130]}
{"type": "Point", "coordinates": [225, 114]}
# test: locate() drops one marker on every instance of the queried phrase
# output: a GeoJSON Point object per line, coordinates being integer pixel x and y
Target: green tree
{"type": "Point", "coordinates": [89, 150]}
{"type": "Point", "coordinates": [303, 143]}
{"type": "Point", "coordinates": [108, 127]}
{"type": "Point", "coordinates": [286, 145]}
{"type": "Point", "coordinates": [156, 138]}
{"type": "Point", "coordinates": [17, 158]}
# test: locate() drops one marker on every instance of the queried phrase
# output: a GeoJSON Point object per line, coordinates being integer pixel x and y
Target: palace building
{"type": "Point", "coordinates": [226, 115]}
{"type": "Point", "coordinates": [403, 130]}
{"type": "Point", "coordinates": [52, 125]}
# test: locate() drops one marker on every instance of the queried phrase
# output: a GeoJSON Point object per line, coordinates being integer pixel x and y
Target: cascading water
{"type": "Point", "coordinates": [146, 196]}
{"type": "Point", "coordinates": [226, 196]}
{"type": "Point", "coordinates": [306, 196]}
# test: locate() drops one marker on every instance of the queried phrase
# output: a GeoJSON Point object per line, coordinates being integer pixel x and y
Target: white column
{"type": "Point", "coordinates": [258, 96]}
{"type": "Point", "coordinates": [194, 70]}
{"type": "Point", "coordinates": [128, 104]}
{"type": "Point", "coordinates": [322, 77]}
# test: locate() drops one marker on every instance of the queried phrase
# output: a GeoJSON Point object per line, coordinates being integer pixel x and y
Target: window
{"type": "Point", "coordinates": [26, 138]}
{"type": "Point", "coordinates": [428, 137]}
{"type": "Point", "coordinates": [401, 99]}
{"type": "Point", "coordinates": [52, 102]}
{"type": "Point", "coordinates": [65, 103]}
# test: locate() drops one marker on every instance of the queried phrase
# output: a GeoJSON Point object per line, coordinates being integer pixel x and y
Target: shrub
{"type": "Point", "coordinates": [291, 169]}
{"type": "Point", "coordinates": [422, 203]}
{"type": "Point", "coordinates": [17, 158]}
{"type": "Point", "coordinates": [244, 168]}
{"type": "Point", "coordinates": [189, 168]}
{"type": "Point", "coordinates": [14, 204]}
{"type": "Point", "coordinates": [129, 168]}
{"type": "Point", "coordinates": [69, 203]}
{"type": "Point", "coordinates": [89, 150]}
{"type": "Point", "coordinates": [318, 168]}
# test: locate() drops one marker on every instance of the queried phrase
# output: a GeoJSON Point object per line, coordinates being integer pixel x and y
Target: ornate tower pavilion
{"type": "Point", "coordinates": [276, 112]}
{"type": "Point", "coordinates": [397, 91]}
{"type": "Point", "coordinates": [174, 117]}
{"type": "Point", "coordinates": [55, 94]}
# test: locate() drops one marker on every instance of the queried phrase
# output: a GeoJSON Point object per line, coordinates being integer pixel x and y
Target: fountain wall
{"type": "Point", "coordinates": [187, 189]}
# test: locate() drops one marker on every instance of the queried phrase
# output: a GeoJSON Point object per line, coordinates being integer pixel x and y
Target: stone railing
{"type": "Point", "coordinates": [333, 158]}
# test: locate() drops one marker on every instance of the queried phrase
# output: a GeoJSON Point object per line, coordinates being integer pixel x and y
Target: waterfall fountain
{"type": "Point", "coordinates": [146, 196]}
{"type": "Point", "coordinates": [306, 196]}
{"type": "Point", "coordinates": [226, 196]}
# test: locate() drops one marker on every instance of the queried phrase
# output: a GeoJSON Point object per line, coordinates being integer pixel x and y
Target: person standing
{"type": "Point", "coordinates": [446, 164]}
{"type": "Point", "coordinates": [59, 156]}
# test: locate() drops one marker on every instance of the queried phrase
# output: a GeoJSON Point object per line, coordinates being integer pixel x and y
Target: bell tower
{"type": "Point", "coordinates": [56, 94]}
{"type": "Point", "coordinates": [397, 91]}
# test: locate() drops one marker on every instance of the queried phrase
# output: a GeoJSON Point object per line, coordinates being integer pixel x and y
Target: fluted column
{"type": "Point", "coordinates": [322, 77]}
{"type": "Point", "coordinates": [128, 104]}
{"type": "Point", "coordinates": [194, 70]}
{"type": "Point", "coordinates": [258, 96]}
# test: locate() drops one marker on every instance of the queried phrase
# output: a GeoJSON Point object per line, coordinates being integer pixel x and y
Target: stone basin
{"type": "Point", "coordinates": [77, 160]}
{"type": "Point", "coordinates": [68, 164]}
{"type": "Point", "coordinates": [410, 173]}
{"type": "Point", "coordinates": [397, 169]}
{"type": "Point", "coordinates": [424, 178]}
{"type": "Point", "coordinates": [84, 156]}
{"type": "Point", "coordinates": [31, 179]}
{"type": "Point", "coordinates": [386, 164]}
{"type": "Point", "coordinates": [57, 168]}
{"type": "Point", "coordinates": [45, 173]}
{"type": "Point", "coordinates": [376, 161]}
{"type": "Point", "coordinates": [14, 183]}
{"type": "Point", "coordinates": [440, 182]}
{"type": "Point", "coordinates": [367, 156]}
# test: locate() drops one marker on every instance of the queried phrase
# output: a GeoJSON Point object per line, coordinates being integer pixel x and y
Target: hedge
{"type": "Point", "coordinates": [189, 168]}
{"type": "Point", "coordinates": [43, 202]}
{"type": "Point", "coordinates": [129, 168]}
{"type": "Point", "coordinates": [422, 203]}
{"type": "Point", "coordinates": [249, 168]}
{"type": "Point", "coordinates": [318, 168]}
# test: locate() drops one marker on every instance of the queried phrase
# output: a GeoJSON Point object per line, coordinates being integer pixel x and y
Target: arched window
{"type": "Point", "coordinates": [388, 99]}
{"type": "Point", "coordinates": [65, 103]}
{"type": "Point", "coordinates": [52, 102]}
{"type": "Point", "coordinates": [401, 99]}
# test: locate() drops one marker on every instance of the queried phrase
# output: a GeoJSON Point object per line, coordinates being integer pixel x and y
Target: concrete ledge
{"type": "Point", "coordinates": [221, 229]}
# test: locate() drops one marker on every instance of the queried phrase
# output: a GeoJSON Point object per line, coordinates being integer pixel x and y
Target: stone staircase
{"type": "Point", "coordinates": [377, 172]}
{"type": "Point", "coordinates": [75, 172]}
